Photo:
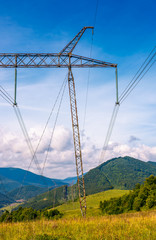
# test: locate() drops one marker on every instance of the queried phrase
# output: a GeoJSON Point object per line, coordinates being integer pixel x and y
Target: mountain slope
{"type": "Point", "coordinates": [12, 178]}
{"type": "Point", "coordinates": [26, 192]}
{"type": "Point", "coordinates": [153, 163]}
{"type": "Point", "coordinates": [5, 200]}
{"type": "Point", "coordinates": [117, 173]}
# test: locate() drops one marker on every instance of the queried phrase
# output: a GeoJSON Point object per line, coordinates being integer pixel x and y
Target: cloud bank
{"type": "Point", "coordinates": [60, 161]}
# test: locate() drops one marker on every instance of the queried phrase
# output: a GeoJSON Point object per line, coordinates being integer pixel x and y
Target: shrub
{"type": "Point", "coordinates": [141, 196]}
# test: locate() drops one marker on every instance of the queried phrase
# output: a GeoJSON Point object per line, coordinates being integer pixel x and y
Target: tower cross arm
{"type": "Point", "coordinates": [72, 44]}
{"type": "Point", "coordinates": [49, 60]}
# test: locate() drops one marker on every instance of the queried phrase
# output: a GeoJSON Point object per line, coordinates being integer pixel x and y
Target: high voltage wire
{"type": "Point", "coordinates": [52, 134]}
{"type": "Point", "coordinates": [6, 96]}
{"type": "Point", "coordinates": [91, 48]}
{"type": "Point", "coordinates": [137, 80]}
{"type": "Point", "coordinates": [25, 133]}
{"type": "Point", "coordinates": [50, 115]}
{"type": "Point", "coordinates": [34, 153]}
{"type": "Point", "coordinates": [130, 87]}
{"type": "Point", "coordinates": [10, 100]}
{"type": "Point", "coordinates": [109, 132]}
{"type": "Point", "coordinates": [133, 79]}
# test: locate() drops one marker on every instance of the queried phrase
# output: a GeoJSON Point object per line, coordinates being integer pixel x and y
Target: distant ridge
{"type": "Point", "coordinates": [117, 173]}
{"type": "Point", "coordinates": [13, 187]}
{"type": "Point", "coordinates": [153, 163]}
{"type": "Point", "coordinates": [12, 178]}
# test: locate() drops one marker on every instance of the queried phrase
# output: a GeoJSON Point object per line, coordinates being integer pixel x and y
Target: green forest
{"type": "Point", "coordinates": [141, 197]}
{"type": "Point", "coordinates": [27, 214]}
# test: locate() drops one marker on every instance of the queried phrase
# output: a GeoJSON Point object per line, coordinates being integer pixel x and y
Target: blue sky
{"type": "Point", "coordinates": [124, 34]}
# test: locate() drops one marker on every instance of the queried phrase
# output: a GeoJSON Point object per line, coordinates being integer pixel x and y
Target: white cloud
{"type": "Point", "coordinates": [61, 161]}
{"type": "Point", "coordinates": [37, 91]}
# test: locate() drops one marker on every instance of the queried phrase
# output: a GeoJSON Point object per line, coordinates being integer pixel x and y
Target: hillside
{"type": "Point", "coordinates": [26, 192]}
{"type": "Point", "coordinates": [118, 173]}
{"type": "Point", "coordinates": [16, 183]}
{"type": "Point", "coordinates": [51, 198]}
{"type": "Point", "coordinates": [4, 200]}
{"type": "Point", "coordinates": [13, 178]}
{"type": "Point", "coordinates": [153, 163]}
{"type": "Point", "coordinates": [72, 209]}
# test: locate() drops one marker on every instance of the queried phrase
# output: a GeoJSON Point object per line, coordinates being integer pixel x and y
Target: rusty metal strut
{"type": "Point", "coordinates": [77, 145]}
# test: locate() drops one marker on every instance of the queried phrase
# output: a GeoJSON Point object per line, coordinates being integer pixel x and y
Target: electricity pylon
{"type": "Point", "coordinates": [63, 59]}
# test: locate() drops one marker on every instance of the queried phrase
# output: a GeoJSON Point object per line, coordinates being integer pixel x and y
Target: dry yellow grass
{"type": "Point", "coordinates": [132, 226]}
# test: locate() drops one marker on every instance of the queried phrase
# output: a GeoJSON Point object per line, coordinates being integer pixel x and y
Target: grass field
{"type": "Point", "coordinates": [72, 209]}
{"type": "Point", "coordinates": [129, 226]}
{"type": "Point", "coordinates": [132, 226]}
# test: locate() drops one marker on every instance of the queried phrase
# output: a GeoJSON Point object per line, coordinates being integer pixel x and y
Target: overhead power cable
{"type": "Point", "coordinates": [50, 115]}
{"type": "Point", "coordinates": [109, 132]}
{"type": "Point", "coordinates": [34, 158]}
{"type": "Point", "coordinates": [25, 133]}
{"type": "Point", "coordinates": [138, 75]}
{"type": "Point", "coordinates": [10, 100]}
{"type": "Point", "coordinates": [145, 67]}
{"type": "Point", "coordinates": [137, 80]}
{"type": "Point", "coordinates": [52, 134]}
{"type": "Point", "coordinates": [6, 96]}
{"type": "Point", "coordinates": [91, 48]}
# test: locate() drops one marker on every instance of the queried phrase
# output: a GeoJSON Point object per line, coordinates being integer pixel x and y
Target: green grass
{"type": "Point", "coordinates": [10, 207]}
{"type": "Point", "coordinates": [127, 226]}
{"type": "Point", "coordinates": [72, 209]}
{"type": "Point", "coordinates": [131, 226]}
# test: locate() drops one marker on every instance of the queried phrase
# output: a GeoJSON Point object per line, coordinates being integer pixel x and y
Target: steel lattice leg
{"type": "Point", "coordinates": [77, 145]}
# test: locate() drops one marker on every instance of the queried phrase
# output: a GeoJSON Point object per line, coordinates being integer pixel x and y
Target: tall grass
{"type": "Point", "coordinates": [132, 226]}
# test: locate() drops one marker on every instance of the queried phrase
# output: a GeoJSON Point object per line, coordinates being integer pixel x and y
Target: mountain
{"type": "Point", "coordinates": [153, 163]}
{"type": "Point", "coordinates": [70, 180]}
{"type": "Point", "coordinates": [51, 198]}
{"type": "Point", "coordinates": [16, 183]}
{"type": "Point", "coordinates": [5, 200]}
{"type": "Point", "coordinates": [13, 178]}
{"type": "Point", "coordinates": [117, 173]}
{"type": "Point", "coordinates": [26, 192]}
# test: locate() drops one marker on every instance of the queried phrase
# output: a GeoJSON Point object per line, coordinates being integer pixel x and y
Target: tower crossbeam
{"type": "Point", "coordinates": [63, 59]}
{"type": "Point", "coordinates": [49, 60]}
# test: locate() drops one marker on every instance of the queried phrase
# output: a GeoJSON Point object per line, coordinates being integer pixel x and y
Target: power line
{"type": "Point", "coordinates": [6, 96]}
{"type": "Point", "coordinates": [109, 132]}
{"type": "Point", "coordinates": [137, 80]}
{"type": "Point", "coordinates": [130, 87]}
{"type": "Point", "coordinates": [88, 80]}
{"type": "Point", "coordinates": [52, 134]}
{"type": "Point", "coordinates": [137, 73]}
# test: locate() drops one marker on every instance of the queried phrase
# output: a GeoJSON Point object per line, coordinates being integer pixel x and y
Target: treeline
{"type": "Point", "coordinates": [27, 214]}
{"type": "Point", "coordinates": [141, 197]}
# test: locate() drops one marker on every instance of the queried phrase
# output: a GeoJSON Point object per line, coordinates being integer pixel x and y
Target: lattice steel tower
{"type": "Point", "coordinates": [63, 59]}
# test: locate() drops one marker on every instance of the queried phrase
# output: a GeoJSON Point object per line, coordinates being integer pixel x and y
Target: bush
{"type": "Point", "coordinates": [27, 214]}
{"type": "Point", "coordinates": [137, 204]}
{"type": "Point", "coordinates": [45, 237]}
{"type": "Point", "coordinates": [151, 201]}
{"type": "Point", "coordinates": [141, 196]}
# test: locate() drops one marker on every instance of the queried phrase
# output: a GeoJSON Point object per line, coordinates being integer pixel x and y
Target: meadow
{"type": "Point", "coordinates": [72, 209]}
{"type": "Point", "coordinates": [128, 226]}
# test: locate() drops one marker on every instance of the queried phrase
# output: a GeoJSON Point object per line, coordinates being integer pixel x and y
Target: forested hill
{"type": "Point", "coordinates": [12, 178]}
{"type": "Point", "coordinates": [153, 163]}
{"type": "Point", "coordinates": [119, 173]}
